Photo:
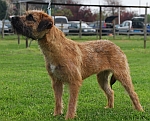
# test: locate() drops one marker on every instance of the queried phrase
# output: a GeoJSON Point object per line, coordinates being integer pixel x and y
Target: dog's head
{"type": "Point", "coordinates": [34, 24]}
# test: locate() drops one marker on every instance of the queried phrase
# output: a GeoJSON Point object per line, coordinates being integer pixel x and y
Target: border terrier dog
{"type": "Point", "coordinates": [71, 62]}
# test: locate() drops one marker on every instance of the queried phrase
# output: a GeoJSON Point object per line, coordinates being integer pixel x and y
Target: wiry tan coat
{"type": "Point", "coordinates": [71, 62]}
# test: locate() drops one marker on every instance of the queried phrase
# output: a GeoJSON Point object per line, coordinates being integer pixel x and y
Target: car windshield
{"type": "Point", "coordinates": [125, 23]}
{"type": "Point", "coordinates": [138, 19]}
{"type": "Point", "coordinates": [60, 20]}
{"type": "Point", "coordinates": [7, 22]}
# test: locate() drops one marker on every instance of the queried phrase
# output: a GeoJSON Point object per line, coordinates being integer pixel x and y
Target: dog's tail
{"type": "Point", "coordinates": [112, 80]}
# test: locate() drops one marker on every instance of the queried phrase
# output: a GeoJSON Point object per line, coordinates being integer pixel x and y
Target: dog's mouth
{"type": "Point", "coordinates": [20, 28]}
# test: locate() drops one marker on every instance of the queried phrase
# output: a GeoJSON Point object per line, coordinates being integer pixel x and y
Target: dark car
{"type": "Point", "coordinates": [96, 25]}
{"type": "Point", "coordinates": [8, 24]}
{"type": "Point", "coordinates": [135, 25]}
{"type": "Point", "coordinates": [6, 29]}
{"type": "Point", "coordinates": [74, 27]}
{"type": "Point", "coordinates": [109, 21]}
{"type": "Point", "coordinates": [138, 22]}
{"type": "Point", "coordinates": [105, 25]}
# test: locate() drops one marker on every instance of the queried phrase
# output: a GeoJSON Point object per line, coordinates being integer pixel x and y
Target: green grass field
{"type": "Point", "coordinates": [26, 93]}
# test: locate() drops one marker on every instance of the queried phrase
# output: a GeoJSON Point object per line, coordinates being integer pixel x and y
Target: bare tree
{"type": "Point", "coordinates": [10, 8]}
{"type": "Point", "coordinates": [112, 10]}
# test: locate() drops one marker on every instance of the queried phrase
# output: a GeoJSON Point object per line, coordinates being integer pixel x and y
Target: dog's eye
{"type": "Point", "coordinates": [30, 18]}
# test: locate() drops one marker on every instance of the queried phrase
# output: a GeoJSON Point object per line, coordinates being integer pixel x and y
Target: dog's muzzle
{"type": "Point", "coordinates": [14, 21]}
{"type": "Point", "coordinates": [21, 28]}
{"type": "Point", "coordinates": [17, 24]}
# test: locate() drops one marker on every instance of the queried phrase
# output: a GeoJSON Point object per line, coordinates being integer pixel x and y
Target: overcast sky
{"type": "Point", "coordinates": [124, 2]}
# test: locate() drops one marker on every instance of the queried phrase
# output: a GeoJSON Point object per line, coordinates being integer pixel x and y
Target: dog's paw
{"type": "Point", "coordinates": [57, 113]}
{"type": "Point", "coordinates": [106, 107]}
{"type": "Point", "coordinates": [70, 116]}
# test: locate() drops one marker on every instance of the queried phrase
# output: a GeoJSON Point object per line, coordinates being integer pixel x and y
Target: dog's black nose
{"type": "Point", "coordinates": [15, 18]}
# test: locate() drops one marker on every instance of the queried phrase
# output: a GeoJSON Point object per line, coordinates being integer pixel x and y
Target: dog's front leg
{"type": "Point", "coordinates": [74, 90]}
{"type": "Point", "coordinates": [58, 90]}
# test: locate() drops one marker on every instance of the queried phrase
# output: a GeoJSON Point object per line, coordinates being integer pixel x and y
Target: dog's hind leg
{"type": "Point", "coordinates": [112, 80]}
{"type": "Point", "coordinates": [74, 90]}
{"type": "Point", "coordinates": [102, 78]}
{"type": "Point", "coordinates": [58, 90]}
{"type": "Point", "coordinates": [125, 79]}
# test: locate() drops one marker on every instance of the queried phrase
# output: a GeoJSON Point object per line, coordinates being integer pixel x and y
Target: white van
{"type": "Point", "coordinates": [126, 26]}
{"type": "Point", "coordinates": [61, 22]}
{"type": "Point", "coordinates": [136, 24]}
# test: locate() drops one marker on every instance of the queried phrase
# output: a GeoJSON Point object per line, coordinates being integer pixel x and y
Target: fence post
{"type": "Point", "coordinates": [3, 22]}
{"type": "Point", "coordinates": [26, 37]}
{"type": "Point", "coordinates": [18, 39]}
{"type": "Point", "coordinates": [80, 29]}
{"type": "Point", "coordinates": [27, 45]}
{"type": "Point", "coordinates": [98, 23]}
{"type": "Point", "coordinates": [100, 20]}
{"type": "Point", "coordinates": [145, 28]}
{"type": "Point", "coordinates": [61, 26]}
{"type": "Point", "coordinates": [114, 30]}
{"type": "Point", "coordinates": [129, 30]}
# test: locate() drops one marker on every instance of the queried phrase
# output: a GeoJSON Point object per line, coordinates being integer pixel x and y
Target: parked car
{"type": "Point", "coordinates": [8, 24]}
{"type": "Point", "coordinates": [6, 29]}
{"type": "Point", "coordinates": [137, 19]}
{"type": "Point", "coordinates": [61, 22]}
{"type": "Point", "coordinates": [96, 25]}
{"type": "Point", "coordinates": [148, 28]}
{"type": "Point", "coordinates": [136, 24]}
{"type": "Point", "coordinates": [109, 21]}
{"type": "Point", "coordinates": [105, 25]}
{"type": "Point", "coordinates": [74, 27]}
{"type": "Point", "coordinates": [126, 26]}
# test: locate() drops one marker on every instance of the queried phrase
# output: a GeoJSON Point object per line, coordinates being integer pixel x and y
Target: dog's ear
{"type": "Point", "coordinates": [44, 24]}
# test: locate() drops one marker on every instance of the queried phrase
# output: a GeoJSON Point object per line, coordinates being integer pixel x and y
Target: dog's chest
{"type": "Point", "coordinates": [52, 68]}
{"type": "Point", "coordinates": [57, 71]}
